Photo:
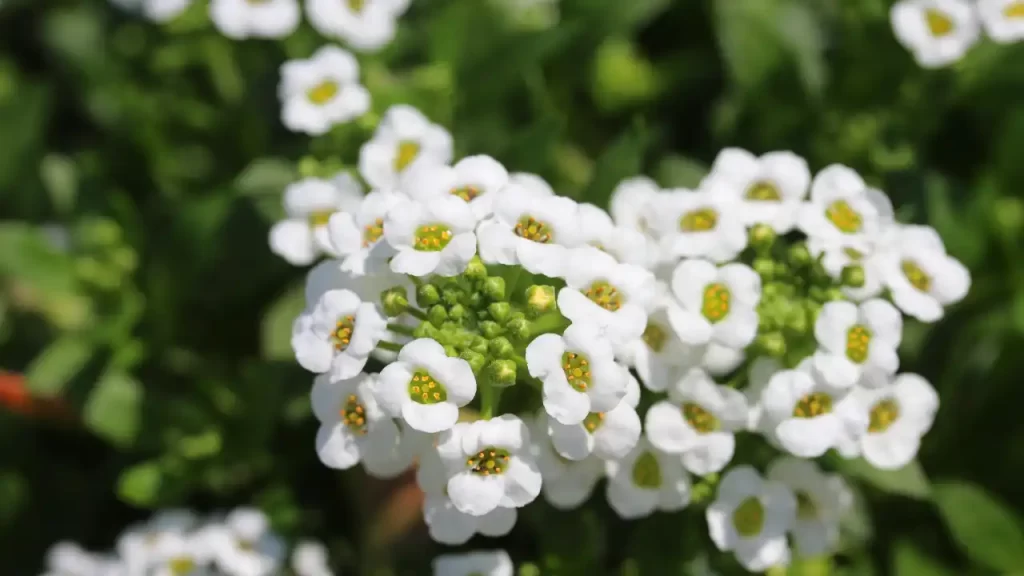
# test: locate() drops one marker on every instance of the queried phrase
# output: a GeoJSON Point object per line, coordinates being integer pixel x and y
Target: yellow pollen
{"type": "Point", "coordinates": [352, 415]}
{"type": "Point", "coordinates": [420, 384]}
{"type": "Point", "coordinates": [467, 193]}
{"type": "Point", "coordinates": [356, 5]}
{"type": "Point", "coordinates": [917, 277]}
{"type": "Point", "coordinates": [844, 217]}
{"type": "Point", "coordinates": [532, 229]}
{"type": "Point", "coordinates": [1014, 10]}
{"type": "Point", "coordinates": [407, 151]}
{"type": "Point", "coordinates": [717, 302]}
{"type": "Point", "coordinates": [812, 405]}
{"type": "Point", "coordinates": [323, 92]}
{"type": "Point", "coordinates": [604, 295]}
{"type": "Point", "coordinates": [764, 192]}
{"type": "Point", "coordinates": [181, 565]}
{"type": "Point", "coordinates": [699, 419]}
{"type": "Point", "coordinates": [883, 414]}
{"type": "Point", "coordinates": [647, 471]}
{"type": "Point", "coordinates": [748, 517]}
{"type": "Point", "coordinates": [320, 218]}
{"type": "Point", "coordinates": [593, 421]}
{"type": "Point", "coordinates": [373, 232]}
{"type": "Point", "coordinates": [431, 238]}
{"type": "Point", "coordinates": [576, 371]}
{"type": "Point", "coordinates": [342, 335]}
{"type": "Point", "coordinates": [491, 460]}
{"type": "Point", "coordinates": [939, 23]}
{"type": "Point", "coordinates": [655, 337]}
{"type": "Point", "coordinates": [699, 220]}
{"type": "Point", "coordinates": [858, 338]}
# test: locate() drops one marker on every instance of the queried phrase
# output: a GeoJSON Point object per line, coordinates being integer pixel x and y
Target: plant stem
{"type": "Point", "coordinates": [384, 344]}
{"type": "Point", "coordinates": [416, 313]}
{"type": "Point", "coordinates": [550, 322]}
{"type": "Point", "coordinates": [400, 328]}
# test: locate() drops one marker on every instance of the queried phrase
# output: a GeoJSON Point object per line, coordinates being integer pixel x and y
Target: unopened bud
{"type": "Point", "coordinates": [494, 288]}
{"type": "Point", "coordinates": [540, 299]}
{"type": "Point", "coordinates": [394, 301]}
{"type": "Point", "coordinates": [796, 320]}
{"type": "Point", "coordinates": [437, 315]}
{"type": "Point", "coordinates": [833, 294]}
{"type": "Point", "coordinates": [499, 311]}
{"type": "Point", "coordinates": [427, 295]}
{"type": "Point", "coordinates": [476, 269]}
{"type": "Point", "coordinates": [479, 344]}
{"type": "Point", "coordinates": [476, 360]}
{"type": "Point", "coordinates": [451, 351]}
{"type": "Point", "coordinates": [457, 312]}
{"type": "Point", "coordinates": [518, 328]}
{"type": "Point", "coordinates": [501, 347]}
{"type": "Point", "coordinates": [853, 276]}
{"type": "Point", "coordinates": [502, 373]}
{"type": "Point", "coordinates": [451, 296]}
{"type": "Point", "coordinates": [765, 268]}
{"type": "Point", "coordinates": [490, 329]}
{"type": "Point", "coordinates": [772, 344]}
{"type": "Point", "coordinates": [799, 255]}
{"type": "Point", "coordinates": [762, 237]}
{"type": "Point", "coordinates": [426, 330]}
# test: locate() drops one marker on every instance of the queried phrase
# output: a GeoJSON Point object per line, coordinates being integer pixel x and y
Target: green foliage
{"type": "Point", "coordinates": [985, 530]}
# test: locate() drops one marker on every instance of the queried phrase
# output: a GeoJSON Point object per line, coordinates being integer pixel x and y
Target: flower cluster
{"type": "Point", "coordinates": [940, 32]}
{"type": "Point", "coordinates": [764, 307]}
{"type": "Point", "coordinates": [180, 543]}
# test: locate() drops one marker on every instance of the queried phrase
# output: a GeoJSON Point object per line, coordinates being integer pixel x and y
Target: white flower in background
{"type": "Point", "coordinates": [720, 360]}
{"type": "Point", "coordinates": [352, 425]}
{"type": "Point", "coordinates": [843, 211]}
{"type": "Point", "coordinates": [610, 297]}
{"type": "Point", "coordinates": [531, 229]}
{"type": "Point", "coordinates": [771, 188]}
{"type": "Point", "coordinates": [425, 387]}
{"type": "Point", "coordinates": [658, 355]}
{"type": "Point", "coordinates": [821, 502]}
{"type": "Point", "coordinates": [321, 91]}
{"type": "Point", "coordinates": [758, 375]}
{"type": "Point", "coordinates": [181, 555]}
{"type": "Point", "coordinates": [921, 277]}
{"type": "Point", "coordinates": [496, 563]}
{"type": "Point", "coordinates": [308, 205]}
{"type": "Point", "coordinates": [476, 180]}
{"type": "Point", "coordinates": [627, 245]}
{"type": "Point", "coordinates": [387, 464]}
{"type": "Point", "coordinates": [433, 237]}
{"type": "Point", "coordinates": [1003, 19]}
{"type": "Point", "coordinates": [607, 435]}
{"type": "Point", "coordinates": [717, 304]}
{"type": "Point", "coordinates": [309, 558]}
{"type": "Point", "coordinates": [806, 416]}
{"type": "Point", "coordinates": [405, 139]}
{"type": "Point", "coordinates": [579, 373]}
{"type": "Point", "coordinates": [699, 421]}
{"type": "Point", "coordinates": [489, 465]}
{"type": "Point", "coordinates": [750, 518]}
{"type": "Point", "coordinates": [244, 544]}
{"type": "Point", "coordinates": [332, 275]}
{"type": "Point", "coordinates": [357, 235]}
{"type": "Point", "coordinates": [69, 559]}
{"type": "Point", "coordinates": [240, 19]}
{"type": "Point", "coordinates": [631, 203]}
{"type": "Point", "coordinates": [531, 183]}
{"type": "Point", "coordinates": [937, 32]}
{"type": "Point", "coordinates": [898, 415]}
{"type": "Point", "coordinates": [835, 257]}
{"type": "Point", "coordinates": [342, 331]}
{"type": "Point", "coordinates": [858, 344]}
{"type": "Point", "coordinates": [567, 483]}
{"type": "Point", "coordinates": [137, 546]}
{"type": "Point", "coordinates": [646, 480]}
{"type": "Point", "coordinates": [365, 25]}
{"type": "Point", "coordinates": [704, 223]}
{"type": "Point", "coordinates": [156, 10]}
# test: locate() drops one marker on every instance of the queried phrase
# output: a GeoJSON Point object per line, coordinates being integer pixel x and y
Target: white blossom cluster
{"type": "Point", "coordinates": [940, 32]}
{"type": "Point", "coordinates": [181, 543]}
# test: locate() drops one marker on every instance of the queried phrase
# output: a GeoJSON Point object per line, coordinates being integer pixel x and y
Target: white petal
{"type": "Point", "coordinates": [336, 447]}
{"type": "Point", "coordinates": [711, 455]}
{"type": "Point", "coordinates": [809, 437]}
{"type": "Point", "coordinates": [667, 429]}
{"type": "Point", "coordinates": [522, 483]}
{"type": "Point", "coordinates": [475, 495]}
{"type": "Point", "coordinates": [293, 241]}
{"type": "Point", "coordinates": [430, 417]}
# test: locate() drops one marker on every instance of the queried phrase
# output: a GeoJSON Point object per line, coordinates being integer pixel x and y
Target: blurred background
{"type": "Point", "coordinates": [144, 323]}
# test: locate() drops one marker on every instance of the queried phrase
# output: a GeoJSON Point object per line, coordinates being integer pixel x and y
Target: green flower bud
{"type": "Point", "coordinates": [475, 300]}
{"type": "Point", "coordinates": [125, 259]}
{"type": "Point", "coordinates": [476, 360]}
{"type": "Point", "coordinates": [762, 237]}
{"type": "Point", "coordinates": [817, 293]}
{"type": "Point", "coordinates": [461, 339]}
{"type": "Point", "coordinates": [540, 299]}
{"type": "Point", "coordinates": [427, 295]}
{"type": "Point", "coordinates": [772, 344]}
{"type": "Point", "coordinates": [781, 270]}
{"type": "Point", "coordinates": [853, 275]}
{"type": "Point", "coordinates": [501, 347]}
{"type": "Point", "coordinates": [796, 320]}
{"type": "Point", "coordinates": [494, 288]}
{"type": "Point", "coordinates": [451, 351]}
{"type": "Point", "coordinates": [518, 328]}
{"type": "Point", "coordinates": [437, 315]}
{"type": "Point", "coordinates": [476, 269]}
{"type": "Point", "coordinates": [502, 373]}
{"type": "Point", "coordinates": [394, 300]}
{"type": "Point", "coordinates": [490, 329]}
{"type": "Point", "coordinates": [765, 268]}
{"type": "Point", "coordinates": [834, 293]}
{"type": "Point", "coordinates": [479, 344]}
{"type": "Point", "coordinates": [799, 255]}
{"type": "Point", "coordinates": [451, 296]}
{"type": "Point", "coordinates": [426, 330]}
{"type": "Point", "coordinates": [457, 312]}
{"type": "Point", "coordinates": [500, 311]}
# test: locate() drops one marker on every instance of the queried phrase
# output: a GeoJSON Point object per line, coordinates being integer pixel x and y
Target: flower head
{"type": "Point", "coordinates": [495, 563]}
{"type": "Point", "coordinates": [625, 244]}
{"type": "Point", "coordinates": [433, 237]}
{"type": "Point", "coordinates": [770, 188]}
{"type": "Point", "coordinates": [750, 518]}
{"type": "Point", "coordinates": [858, 344]}
{"type": "Point", "coordinates": [937, 32]}
{"type": "Point", "coordinates": [365, 25]}
{"type": "Point", "coordinates": [356, 235]}
{"type": "Point", "coordinates": [608, 435]}
{"type": "Point", "coordinates": [245, 544]}
{"type": "Point", "coordinates": [240, 19]}
{"type": "Point", "coordinates": [339, 336]}
{"type": "Point", "coordinates": [717, 304]}
{"type": "Point", "coordinates": [843, 210]}
{"type": "Point", "coordinates": [405, 139]}
{"type": "Point", "coordinates": [821, 501]}
{"type": "Point", "coordinates": [704, 223]}
{"type": "Point", "coordinates": [308, 205]}
{"type": "Point", "coordinates": [531, 229]}
{"type": "Point", "coordinates": [309, 558]}
{"type": "Point", "coordinates": [921, 277]}
{"type": "Point", "coordinates": [647, 480]}
{"type": "Point", "coordinates": [659, 356]}
{"type": "Point", "coordinates": [322, 91]}
{"type": "Point", "coordinates": [568, 483]}
{"type": "Point", "coordinates": [1003, 19]}
{"type": "Point", "coordinates": [352, 425]}
{"type": "Point", "coordinates": [476, 180]}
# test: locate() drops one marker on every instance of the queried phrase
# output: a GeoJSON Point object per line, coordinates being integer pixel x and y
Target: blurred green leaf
{"type": "Point", "coordinates": [12, 494]}
{"type": "Point", "coordinates": [677, 171]}
{"type": "Point", "coordinates": [908, 560]}
{"type": "Point", "coordinates": [266, 176]}
{"type": "Point", "coordinates": [622, 159]}
{"type": "Point", "coordinates": [55, 366]}
{"type": "Point", "coordinates": [907, 481]}
{"type": "Point", "coordinates": [988, 533]}
{"type": "Point", "coordinates": [140, 485]}
{"type": "Point", "coordinates": [60, 177]}
{"type": "Point", "coordinates": [113, 410]}
{"type": "Point", "coordinates": [276, 327]}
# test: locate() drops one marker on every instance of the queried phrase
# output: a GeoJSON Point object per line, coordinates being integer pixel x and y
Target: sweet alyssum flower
{"type": "Point", "coordinates": [355, 235]}
{"type": "Point", "coordinates": [858, 344]}
{"type": "Point", "coordinates": [156, 10]}
{"type": "Point", "coordinates": [494, 563]}
{"type": "Point", "coordinates": [658, 355]}
{"type": "Point", "coordinates": [404, 139]}
{"type": "Point", "coordinates": [240, 19]}
{"type": "Point", "coordinates": [321, 91]}
{"type": "Point", "coordinates": [750, 518]}
{"type": "Point", "coordinates": [365, 25]}
{"type": "Point", "coordinates": [647, 480]}
{"type": "Point", "coordinates": [433, 237]}
{"type": "Point", "coordinates": [138, 545]}
{"type": "Point", "coordinates": [821, 501]}
{"type": "Point", "coordinates": [937, 32]}
{"type": "Point", "coordinates": [770, 188]}
{"type": "Point", "coordinates": [341, 333]}
{"type": "Point", "coordinates": [567, 483]}
{"type": "Point", "coordinates": [476, 180]}
{"type": "Point", "coordinates": [717, 304]}
{"type": "Point", "coordinates": [703, 223]}
{"type": "Point", "coordinates": [308, 205]}
{"type": "Point", "coordinates": [529, 229]}
{"type": "Point", "coordinates": [843, 211]}
{"type": "Point", "coordinates": [921, 277]}
{"type": "Point", "coordinates": [352, 425]}
{"type": "Point", "coordinates": [245, 544]}
{"type": "Point", "coordinates": [181, 554]}
{"type": "Point", "coordinates": [698, 421]}
{"type": "Point", "coordinates": [627, 245]}
{"type": "Point", "coordinates": [836, 259]}
{"type": "Point", "coordinates": [631, 202]}
{"type": "Point", "coordinates": [1003, 19]}
{"type": "Point", "coordinates": [309, 558]}
{"type": "Point", "coordinates": [607, 435]}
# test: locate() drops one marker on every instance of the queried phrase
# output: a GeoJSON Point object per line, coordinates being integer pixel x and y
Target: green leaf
{"type": "Point", "coordinates": [985, 528]}
{"type": "Point", "coordinates": [276, 327]}
{"type": "Point", "coordinates": [60, 177]}
{"type": "Point", "coordinates": [266, 176]}
{"type": "Point", "coordinates": [749, 43]}
{"type": "Point", "coordinates": [622, 159]}
{"type": "Point", "coordinates": [908, 560]}
{"type": "Point", "coordinates": [140, 485]}
{"type": "Point", "coordinates": [113, 408]}
{"type": "Point", "coordinates": [675, 171]}
{"type": "Point", "coordinates": [908, 481]}
{"type": "Point", "coordinates": [55, 366]}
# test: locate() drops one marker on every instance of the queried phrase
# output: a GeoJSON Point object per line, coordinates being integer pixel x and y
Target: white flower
{"type": "Point", "coordinates": [532, 183]}
{"type": "Point", "coordinates": [704, 223]}
{"type": "Point", "coordinates": [857, 344]}
{"type": "Point", "coordinates": [447, 525]}
{"type": "Point", "coordinates": [425, 387]}
{"type": "Point", "coordinates": [579, 372]}
{"type": "Point", "coordinates": [567, 483]}
{"type": "Point", "coordinates": [137, 546]}
{"type": "Point", "coordinates": [412, 444]}
{"type": "Point", "coordinates": [341, 333]}
{"type": "Point", "coordinates": [610, 297]}
{"type": "Point", "coordinates": [717, 304]}
{"type": "Point", "coordinates": [404, 139]}
{"type": "Point", "coordinates": [630, 204]}
{"type": "Point", "coordinates": [476, 180]}
{"type": "Point", "coordinates": [366, 25]}
{"type": "Point", "coordinates": [758, 375]}
{"type": "Point", "coordinates": [899, 415]}
{"type": "Point", "coordinates": [69, 559]}
{"type": "Point", "coordinates": [770, 188]}
{"type": "Point", "coordinates": [496, 563]}
{"type": "Point", "coordinates": [608, 435]}
{"type": "Point", "coordinates": [805, 416]}
{"type": "Point", "coordinates": [720, 360]}
{"type": "Point", "coordinates": [658, 355]}
{"type": "Point", "coordinates": [309, 205]}
{"type": "Point", "coordinates": [156, 10]}
{"type": "Point", "coordinates": [646, 480]}
{"type": "Point", "coordinates": [698, 421]}
{"type": "Point", "coordinates": [843, 211]}
{"type": "Point", "coordinates": [352, 425]}
{"type": "Point", "coordinates": [1003, 19]}
{"type": "Point", "coordinates": [489, 465]}
{"type": "Point", "coordinates": [181, 555]}
{"type": "Point", "coordinates": [835, 257]}
{"type": "Point", "coordinates": [627, 245]}
{"type": "Point", "coordinates": [431, 238]}
{"type": "Point", "coordinates": [921, 277]}
{"type": "Point", "coordinates": [240, 19]}
{"type": "Point", "coordinates": [937, 32]}
{"type": "Point", "coordinates": [322, 91]}
{"type": "Point", "coordinates": [750, 517]}
{"type": "Point", "coordinates": [309, 558]}
{"type": "Point", "coordinates": [357, 235]}
{"type": "Point", "coordinates": [244, 544]}
{"type": "Point", "coordinates": [821, 501]}
{"type": "Point", "coordinates": [530, 228]}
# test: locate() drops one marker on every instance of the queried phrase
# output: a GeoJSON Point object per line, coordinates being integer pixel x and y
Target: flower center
{"type": "Point", "coordinates": [353, 415]}
{"type": "Point", "coordinates": [342, 335]}
{"type": "Point", "coordinates": [532, 229]}
{"type": "Point", "coordinates": [577, 370]}
{"type": "Point", "coordinates": [356, 5]}
{"type": "Point", "coordinates": [844, 217]}
{"type": "Point", "coordinates": [764, 192]}
{"type": "Point", "coordinates": [813, 404]}
{"type": "Point", "coordinates": [373, 232]}
{"type": "Point", "coordinates": [323, 92]}
{"type": "Point", "coordinates": [748, 517]}
{"type": "Point", "coordinates": [1014, 10]}
{"type": "Point", "coordinates": [408, 150]}
{"type": "Point", "coordinates": [647, 471]}
{"type": "Point", "coordinates": [320, 218]}
{"type": "Point", "coordinates": [655, 337]}
{"type": "Point", "coordinates": [857, 340]}
{"type": "Point", "coordinates": [699, 220]}
{"type": "Point", "coordinates": [699, 419]}
{"type": "Point", "coordinates": [883, 414]}
{"type": "Point", "coordinates": [432, 237]}
{"type": "Point", "coordinates": [604, 295]}
{"type": "Point", "coordinates": [181, 565]}
{"type": "Point", "coordinates": [467, 193]}
{"type": "Point", "coordinates": [593, 421]}
{"type": "Point", "coordinates": [938, 22]}
{"type": "Point", "coordinates": [716, 302]}
{"type": "Point", "coordinates": [489, 461]}
{"type": "Point", "coordinates": [423, 389]}
{"type": "Point", "coordinates": [806, 509]}
{"type": "Point", "coordinates": [918, 278]}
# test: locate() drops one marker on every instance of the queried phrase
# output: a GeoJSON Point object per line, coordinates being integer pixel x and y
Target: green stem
{"type": "Point", "coordinates": [486, 400]}
{"type": "Point", "coordinates": [400, 329]}
{"type": "Point", "coordinates": [416, 313]}
{"type": "Point", "coordinates": [385, 345]}
{"type": "Point", "coordinates": [550, 322]}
